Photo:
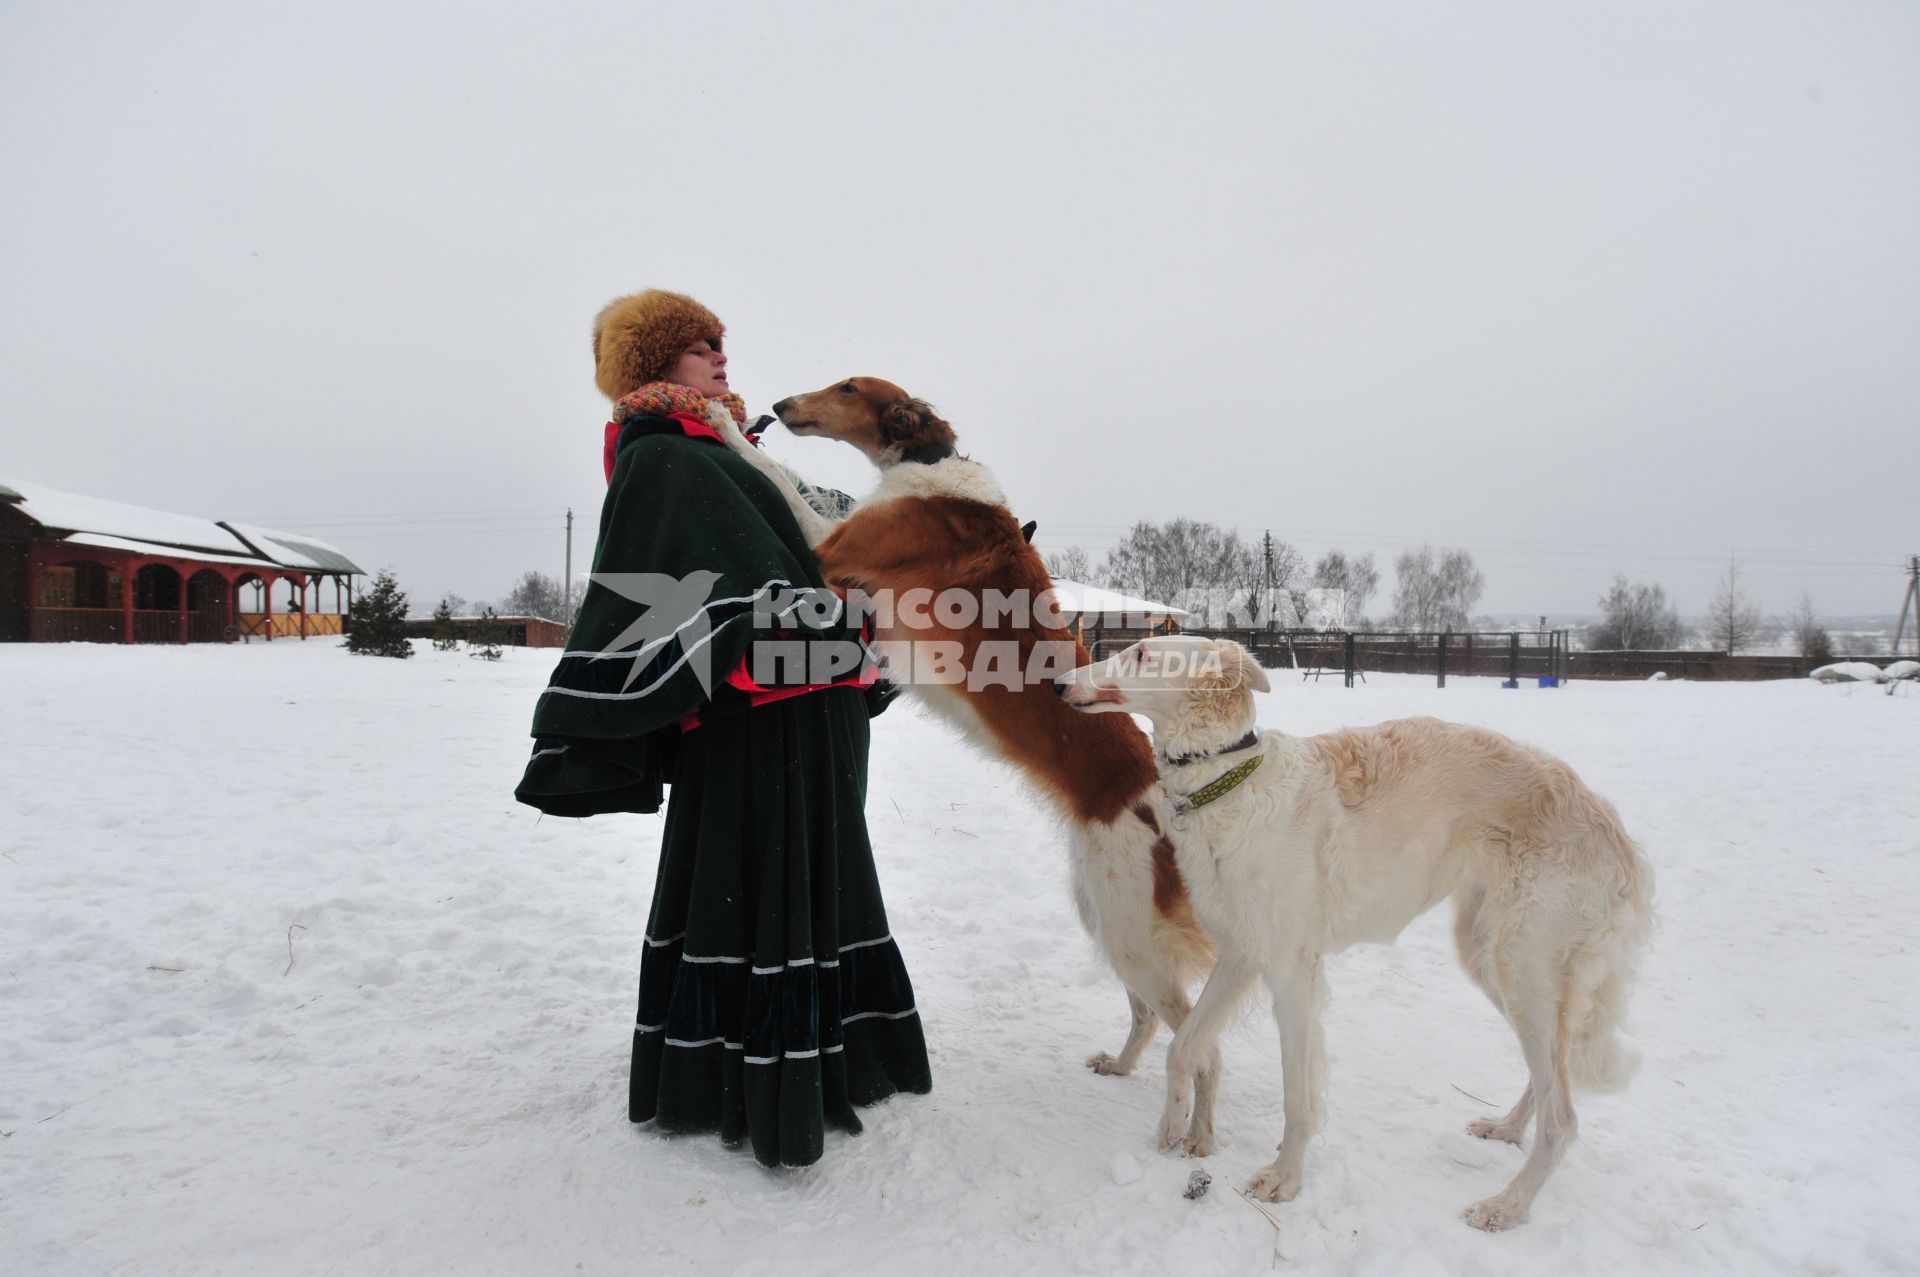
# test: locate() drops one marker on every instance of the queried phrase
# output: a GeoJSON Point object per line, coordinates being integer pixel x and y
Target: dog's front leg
{"type": "Point", "coordinates": [1196, 1048]}
{"type": "Point", "coordinates": [1144, 1024]}
{"type": "Point", "coordinates": [1296, 1008]}
{"type": "Point", "coordinates": [815, 526]}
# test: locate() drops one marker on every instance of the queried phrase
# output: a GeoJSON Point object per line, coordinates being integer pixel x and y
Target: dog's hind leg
{"type": "Point", "coordinates": [1511, 1128]}
{"type": "Point", "coordinates": [1145, 1024]}
{"type": "Point", "coordinates": [1470, 937]}
{"type": "Point", "coordinates": [1193, 1060]}
{"type": "Point", "coordinates": [1535, 1014]}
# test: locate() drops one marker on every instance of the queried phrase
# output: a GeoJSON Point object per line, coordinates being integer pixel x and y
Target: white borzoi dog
{"type": "Point", "coordinates": [1294, 848]}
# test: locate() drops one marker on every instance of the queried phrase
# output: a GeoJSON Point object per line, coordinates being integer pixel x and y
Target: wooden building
{"type": "Point", "coordinates": [79, 569]}
{"type": "Point", "coordinates": [511, 631]}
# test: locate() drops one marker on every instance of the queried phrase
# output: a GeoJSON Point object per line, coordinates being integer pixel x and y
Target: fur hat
{"type": "Point", "coordinates": [637, 339]}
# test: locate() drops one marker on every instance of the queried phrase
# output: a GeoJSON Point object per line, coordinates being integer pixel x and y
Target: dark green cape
{"type": "Point", "coordinates": [685, 510]}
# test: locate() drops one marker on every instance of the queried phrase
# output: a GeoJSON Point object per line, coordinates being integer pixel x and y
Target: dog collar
{"type": "Point", "coordinates": [1245, 742]}
{"type": "Point", "coordinates": [1220, 786]}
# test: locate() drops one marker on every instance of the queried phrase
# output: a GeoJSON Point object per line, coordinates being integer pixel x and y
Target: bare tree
{"type": "Point", "coordinates": [1810, 637]}
{"type": "Point", "coordinates": [1436, 592]}
{"type": "Point", "coordinates": [1266, 581]}
{"type": "Point", "coordinates": [1635, 617]}
{"type": "Point", "coordinates": [1732, 618]}
{"type": "Point", "coordinates": [1200, 557]}
{"type": "Point", "coordinates": [536, 594]}
{"type": "Point", "coordinates": [1071, 564]}
{"type": "Point", "coordinates": [1183, 562]}
{"type": "Point", "coordinates": [1130, 566]}
{"type": "Point", "coordinates": [1357, 576]}
{"type": "Point", "coordinates": [1291, 577]}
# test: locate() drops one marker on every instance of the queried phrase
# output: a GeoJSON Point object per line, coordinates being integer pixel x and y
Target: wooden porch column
{"type": "Point", "coordinates": [266, 614]}
{"type": "Point", "coordinates": [34, 565]}
{"type": "Point", "coordinates": [232, 626]}
{"type": "Point", "coordinates": [127, 573]}
{"type": "Point", "coordinates": [185, 581]}
{"type": "Point", "coordinates": [303, 609]}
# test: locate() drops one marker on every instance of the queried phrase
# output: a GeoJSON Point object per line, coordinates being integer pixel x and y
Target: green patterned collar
{"type": "Point", "coordinates": [1219, 787]}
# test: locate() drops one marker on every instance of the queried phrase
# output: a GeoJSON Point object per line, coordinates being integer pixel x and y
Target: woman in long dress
{"type": "Point", "coordinates": [773, 999]}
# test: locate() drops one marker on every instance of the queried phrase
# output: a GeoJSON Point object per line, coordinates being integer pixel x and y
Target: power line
{"type": "Point", "coordinates": [399, 514]}
{"type": "Point", "coordinates": [1503, 553]}
{"type": "Point", "coordinates": [1110, 532]}
{"type": "Point", "coordinates": [376, 524]}
{"type": "Point", "coordinates": [1103, 534]}
{"type": "Point", "coordinates": [1577, 559]}
{"type": "Point", "coordinates": [461, 532]}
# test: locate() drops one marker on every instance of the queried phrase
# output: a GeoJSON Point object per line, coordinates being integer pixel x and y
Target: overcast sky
{"type": "Point", "coordinates": [1583, 288]}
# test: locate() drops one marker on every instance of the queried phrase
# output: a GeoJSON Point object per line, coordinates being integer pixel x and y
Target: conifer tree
{"type": "Point", "coordinates": [378, 620]}
{"type": "Point", "coordinates": [445, 637]}
{"type": "Point", "coordinates": [1733, 620]}
{"type": "Point", "coordinates": [486, 637]}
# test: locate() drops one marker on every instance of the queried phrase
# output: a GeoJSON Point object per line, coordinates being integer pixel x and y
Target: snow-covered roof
{"type": "Point", "coordinates": [294, 551]}
{"type": "Point", "coordinates": [149, 547]}
{"type": "Point", "coordinates": [1076, 597]}
{"type": "Point", "coordinates": [117, 525]}
{"type": "Point", "coordinates": [67, 512]}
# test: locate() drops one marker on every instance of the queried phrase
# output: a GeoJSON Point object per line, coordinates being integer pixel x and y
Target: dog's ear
{"type": "Point", "coordinates": [904, 420]}
{"type": "Point", "coordinates": [1250, 672]}
{"type": "Point", "coordinates": [911, 426]}
{"type": "Point", "coordinates": [1229, 667]}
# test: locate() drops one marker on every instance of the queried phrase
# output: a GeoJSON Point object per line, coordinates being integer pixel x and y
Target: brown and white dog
{"type": "Point", "coordinates": [939, 522]}
{"type": "Point", "coordinates": [1299, 847]}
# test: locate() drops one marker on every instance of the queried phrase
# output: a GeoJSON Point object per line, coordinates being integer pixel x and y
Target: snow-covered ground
{"type": "Point", "coordinates": [289, 984]}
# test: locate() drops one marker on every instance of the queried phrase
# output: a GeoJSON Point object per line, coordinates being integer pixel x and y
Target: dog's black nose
{"type": "Point", "coordinates": [780, 409]}
{"type": "Point", "coordinates": [1059, 687]}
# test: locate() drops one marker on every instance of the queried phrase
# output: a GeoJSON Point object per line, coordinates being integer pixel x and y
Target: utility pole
{"type": "Point", "coordinates": [1911, 602]}
{"type": "Point", "coordinates": [566, 616]}
{"type": "Point", "coordinates": [1273, 619]}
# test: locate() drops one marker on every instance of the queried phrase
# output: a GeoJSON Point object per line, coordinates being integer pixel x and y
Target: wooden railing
{"type": "Point", "coordinates": [79, 624]}
{"type": "Point", "coordinates": [287, 624]}
{"type": "Point", "coordinates": [156, 627]}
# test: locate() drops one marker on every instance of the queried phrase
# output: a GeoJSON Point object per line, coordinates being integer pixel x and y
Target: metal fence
{"type": "Point", "coordinates": [1717, 666]}
{"type": "Point", "coordinates": [1516, 656]}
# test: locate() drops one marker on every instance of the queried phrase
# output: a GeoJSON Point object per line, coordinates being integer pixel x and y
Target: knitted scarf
{"type": "Point", "coordinates": [664, 399]}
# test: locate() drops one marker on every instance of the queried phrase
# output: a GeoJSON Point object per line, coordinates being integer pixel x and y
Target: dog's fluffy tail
{"type": "Point", "coordinates": [1600, 980]}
